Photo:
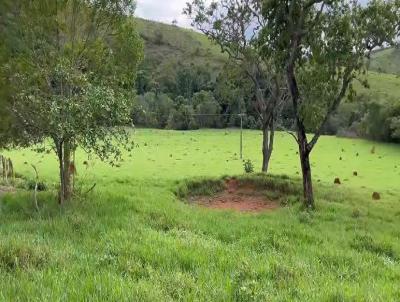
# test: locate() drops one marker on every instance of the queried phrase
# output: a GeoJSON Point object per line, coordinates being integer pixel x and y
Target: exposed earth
{"type": "Point", "coordinates": [237, 197]}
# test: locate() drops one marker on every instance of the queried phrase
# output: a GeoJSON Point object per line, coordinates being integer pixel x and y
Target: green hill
{"type": "Point", "coordinates": [386, 61]}
{"type": "Point", "coordinates": [381, 84]}
{"type": "Point", "coordinates": [168, 45]}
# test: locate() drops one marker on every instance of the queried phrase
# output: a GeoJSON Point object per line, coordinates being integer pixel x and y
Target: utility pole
{"type": "Point", "coordinates": [241, 136]}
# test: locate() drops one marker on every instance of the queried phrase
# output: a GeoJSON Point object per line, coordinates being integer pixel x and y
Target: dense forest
{"type": "Point", "coordinates": [185, 82]}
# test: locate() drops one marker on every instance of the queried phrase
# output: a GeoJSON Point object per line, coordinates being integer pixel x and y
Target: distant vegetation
{"type": "Point", "coordinates": [182, 69]}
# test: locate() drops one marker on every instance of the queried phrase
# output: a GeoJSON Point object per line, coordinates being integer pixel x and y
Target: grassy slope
{"type": "Point", "coordinates": [381, 85]}
{"type": "Point", "coordinates": [132, 240]}
{"type": "Point", "coordinates": [386, 61]}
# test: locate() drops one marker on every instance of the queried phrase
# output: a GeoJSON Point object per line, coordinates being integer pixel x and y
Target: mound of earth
{"type": "Point", "coordinates": [238, 197]}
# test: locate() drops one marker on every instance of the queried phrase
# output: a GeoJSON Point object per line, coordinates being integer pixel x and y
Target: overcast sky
{"type": "Point", "coordinates": [163, 11]}
{"type": "Point", "coordinates": [166, 11]}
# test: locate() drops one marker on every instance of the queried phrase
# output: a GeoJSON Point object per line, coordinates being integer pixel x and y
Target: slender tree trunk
{"type": "Point", "coordinates": [268, 144]}
{"type": "Point", "coordinates": [64, 160]}
{"type": "Point", "coordinates": [304, 154]}
{"type": "Point", "coordinates": [61, 172]}
{"type": "Point", "coordinates": [304, 148]}
{"type": "Point", "coordinates": [67, 172]}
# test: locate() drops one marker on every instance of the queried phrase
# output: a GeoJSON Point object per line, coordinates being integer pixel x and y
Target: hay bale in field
{"type": "Point", "coordinates": [337, 181]}
{"type": "Point", "coordinates": [376, 196]}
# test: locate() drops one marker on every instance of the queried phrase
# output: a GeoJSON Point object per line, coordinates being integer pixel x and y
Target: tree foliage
{"type": "Point", "coordinates": [72, 66]}
{"type": "Point", "coordinates": [323, 46]}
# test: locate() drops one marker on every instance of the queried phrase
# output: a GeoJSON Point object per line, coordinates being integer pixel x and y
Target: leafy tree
{"type": "Point", "coordinates": [191, 79]}
{"type": "Point", "coordinates": [72, 66]}
{"type": "Point", "coordinates": [152, 110]}
{"type": "Point", "coordinates": [322, 46]}
{"type": "Point", "coordinates": [207, 109]}
{"type": "Point", "coordinates": [143, 82]}
{"type": "Point", "coordinates": [182, 118]}
{"type": "Point", "coordinates": [235, 27]}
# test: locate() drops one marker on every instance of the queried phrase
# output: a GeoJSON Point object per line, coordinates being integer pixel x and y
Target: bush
{"type": "Point", "coordinates": [30, 185]}
{"type": "Point", "coordinates": [182, 119]}
{"type": "Point", "coordinates": [248, 166]}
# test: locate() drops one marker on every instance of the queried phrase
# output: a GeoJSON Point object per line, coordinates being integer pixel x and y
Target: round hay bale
{"type": "Point", "coordinates": [376, 196]}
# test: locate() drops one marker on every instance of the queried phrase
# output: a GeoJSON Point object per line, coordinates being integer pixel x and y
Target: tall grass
{"type": "Point", "coordinates": [133, 239]}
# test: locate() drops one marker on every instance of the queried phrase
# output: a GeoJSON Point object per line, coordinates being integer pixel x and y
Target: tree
{"type": "Point", "coordinates": [72, 67]}
{"type": "Point", "coordinates": [207, 109]}
{"type": "Point", "coordinates": [181, 118]}
{"type": "Point", "coordinates": [323, 46]}
{"type": "Point", "coordinates": [235, 26]}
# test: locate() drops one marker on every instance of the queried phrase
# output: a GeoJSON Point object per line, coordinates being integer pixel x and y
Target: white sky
{"type": "Point", "coordinates": [163, 11]}
{"type": "Point", "coordinates": [167, 10]}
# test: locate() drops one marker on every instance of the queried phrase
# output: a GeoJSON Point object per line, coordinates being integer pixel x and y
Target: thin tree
{"type": "Point", "coordinates": [235, 26]}
{"type": "Point", "coordinates": [323, 46]}
{"type": "Point", "coordinates": [72, 68]}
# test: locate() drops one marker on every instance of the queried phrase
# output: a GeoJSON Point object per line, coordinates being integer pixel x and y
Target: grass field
{"type": "Point", "coordinates": [132, 239]}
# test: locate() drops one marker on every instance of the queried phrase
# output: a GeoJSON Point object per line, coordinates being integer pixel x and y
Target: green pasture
{"type": "Point", "coordinates": [132, 239]}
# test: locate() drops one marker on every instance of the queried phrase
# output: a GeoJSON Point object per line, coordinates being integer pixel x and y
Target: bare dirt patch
{"type": "Point", "coordinates": [238, 197]}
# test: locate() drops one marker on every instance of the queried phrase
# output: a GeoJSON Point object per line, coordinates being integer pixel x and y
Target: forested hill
{"type": "Point", "coordinates": [167, 46]}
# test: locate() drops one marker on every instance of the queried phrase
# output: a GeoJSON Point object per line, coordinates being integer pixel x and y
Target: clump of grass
{"type": "Point", "coordinates": [365, 243]}
{"type": "Point", "coordinates": [356, 213]}
{"type": "Point", "coordinates": [245, 285]}
{"type": "Point", "coordinates": [199, 187]}
{"type": "Point", "coordinates": [15, 256]}
{"type": "Point", "coordinates": [276, 183]}
{"type": "Point", "coordinates": [305, 217]}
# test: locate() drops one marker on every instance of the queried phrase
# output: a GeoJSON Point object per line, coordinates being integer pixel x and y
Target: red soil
{"type": "Point", "coordinates": [242, 198]}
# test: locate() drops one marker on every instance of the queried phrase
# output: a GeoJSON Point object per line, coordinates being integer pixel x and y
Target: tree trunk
{"type": "Point", "coordinates": [67, 172]}
{"type": "Point", "coordinates": [268, 144]}
{"type": "Point", "coordinates": [64, 160]}
{"type": "Point", "coordinates": [304, 148]}
{"type": "Point", "coordinates": [304, 153]}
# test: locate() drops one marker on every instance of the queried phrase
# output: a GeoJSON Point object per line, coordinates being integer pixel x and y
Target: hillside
{"type": "Point", "coordinates": [386, 61]}
{"type": "Point", "coordinates": [168, 45]}
{"type": "Point", "coordinates": [381, 84]}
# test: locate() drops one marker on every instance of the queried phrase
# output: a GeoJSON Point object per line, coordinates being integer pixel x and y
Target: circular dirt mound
{"type": "Point", "coordinates": [238, 197]}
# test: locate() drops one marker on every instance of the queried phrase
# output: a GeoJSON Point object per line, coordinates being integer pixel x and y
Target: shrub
{"type": "Point", "coordinates": [30, 185]}
{"type": "Point", "coordinates": [248, 166]}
